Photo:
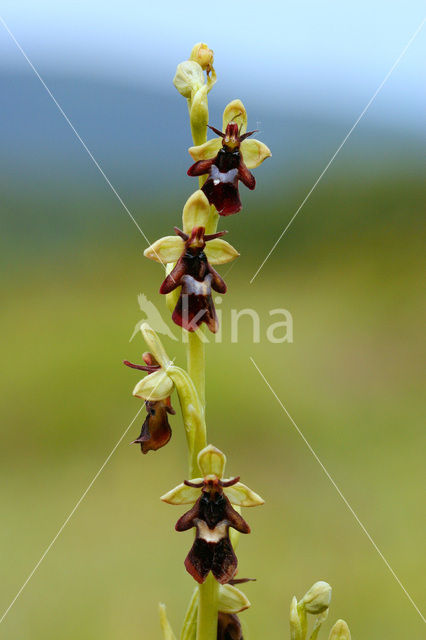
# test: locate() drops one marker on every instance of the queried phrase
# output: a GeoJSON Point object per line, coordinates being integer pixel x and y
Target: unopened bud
{"type": "Point", "coordinates": [340, 631]}
{"type": "Point", "coordinates": [203, 55]}
{"type": "Point", "coordinates": [317, 599]}
{"type": "Point", "coordinates": [296, 627]}
{"type": "Point", "coordinates": [189, 78]}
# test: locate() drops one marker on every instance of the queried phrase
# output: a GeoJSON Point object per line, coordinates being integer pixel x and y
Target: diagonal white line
{"type": "Point", "coordinates": [80, 139]}
{"type": "Point", "coordinates": [339, 491]}
{"type": "Point", "coordinates": [361, 115]}
{"type": "Point", "coordinates": [78, 503]}
{"type": "Point", "coordinates": [68, 518]}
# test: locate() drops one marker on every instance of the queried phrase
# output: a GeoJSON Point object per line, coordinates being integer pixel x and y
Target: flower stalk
{"type": "Point", "coordinates": [196, 362]}
{"type": "Point", "coordinates": [214, 502]}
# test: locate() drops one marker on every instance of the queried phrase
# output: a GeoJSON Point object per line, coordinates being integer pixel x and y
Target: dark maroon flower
{"type": "Point", "coordinates": [196, 276]}
{"type": "Point", "coordinates": [229, 627]}
{"type": "Point", "coordinates": [156, 431]}
{"type": "Point", "coordinates": [224, 171]}
{"type": "Point", "coordinates": [212, 515]}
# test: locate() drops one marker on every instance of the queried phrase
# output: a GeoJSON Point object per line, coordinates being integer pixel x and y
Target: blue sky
{"type": "Point", "coordinates": [317, 56]}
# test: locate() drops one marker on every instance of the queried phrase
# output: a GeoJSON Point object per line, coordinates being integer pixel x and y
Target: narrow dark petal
{"type": "Point", "coordinates": [230, 483]}
{"type": "Point", "coordinates": [181, 233]}
{"type": "Point", "coordinates": [241, 580]}
{"type": "Point", "coordinates": [195, 485]}
{"type": "Point", "coordinates": [150, 368]}
{"type": "Point", "coordinates": [217, 131]}
{"type": "Point", "coordinates": [212, 236]}
{"type": "Point", "coordinates": [249, 133]}
{"type": "Point", "coordinates": [229, 627]}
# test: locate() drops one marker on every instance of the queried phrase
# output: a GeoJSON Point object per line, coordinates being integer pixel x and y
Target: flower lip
{"type": "Point", "coordinates": [156, 431]}
{"type": "Point", "coordinates": [212, 515]}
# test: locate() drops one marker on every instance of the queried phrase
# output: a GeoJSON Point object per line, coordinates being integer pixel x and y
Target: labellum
{"type": "Point", "coordinates": [197, 278]}
{"type": "Point", "coordinates": [212, 515]}
{"type": "Point", "coordinates": [156, 431]}
{"type": "Point", "coordinates": [228, 627]}
{"type": "Point", "coordinates": [224, 172]}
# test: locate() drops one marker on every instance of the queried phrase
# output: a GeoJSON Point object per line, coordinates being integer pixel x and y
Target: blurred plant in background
{"type": "Point", "coordinates": [315, 602]}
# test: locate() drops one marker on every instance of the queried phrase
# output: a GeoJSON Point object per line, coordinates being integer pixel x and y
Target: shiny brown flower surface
{"type": "Point", "coordinates": [196, 277]}
{"type": "Point", "coordinates": [212, 515]}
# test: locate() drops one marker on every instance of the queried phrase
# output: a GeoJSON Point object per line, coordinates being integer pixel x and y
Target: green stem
{"type": "Point", "coordinates": [209, 591]}
{"type": "Point", "coordinates": [207, 609]}
{"type": "Point", "coordinates": [196, 365]}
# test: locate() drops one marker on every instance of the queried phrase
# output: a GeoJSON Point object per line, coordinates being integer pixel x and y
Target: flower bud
{"type": "Point", "coordinates": [203, 55]}
{"type": "Point", "coordinates": [340, 631]}
{"type": "Point", "coordinates": [317, 599]}
{"type": "Point", "coordinates": [189, 78]}
{"type": "Point", "coordinates": [296, 628]}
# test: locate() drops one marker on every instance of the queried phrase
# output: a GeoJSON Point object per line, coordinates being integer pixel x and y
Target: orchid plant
{"type": "Point", "coordinates": [214, 501]}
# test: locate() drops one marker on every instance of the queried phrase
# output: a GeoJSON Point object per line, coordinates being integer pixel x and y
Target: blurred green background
{"type": "Point", "coordinates": [348, 270]}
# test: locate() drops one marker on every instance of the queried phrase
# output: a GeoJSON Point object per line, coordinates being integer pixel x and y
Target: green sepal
{"type": "Point", "coordinates": [189, 628]}
{"type": "Point", "coordinates": [297, 631]}
{"type": "Point", "coordinates": [165, 624]}
{"type": "Point", "coordinates": [231, 599]}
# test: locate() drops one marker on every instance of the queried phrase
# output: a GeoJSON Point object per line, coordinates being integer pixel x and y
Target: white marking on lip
{"type": "Point", "coordinates": [212, 535]}
{"type": "Point", "coordinates": [218, 176]}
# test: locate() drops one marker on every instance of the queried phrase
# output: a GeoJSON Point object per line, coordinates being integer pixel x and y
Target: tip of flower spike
{"type": "Point", "coordinates": [317, 599]}
{"type": "Point", "coordinates": [203, 55]}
